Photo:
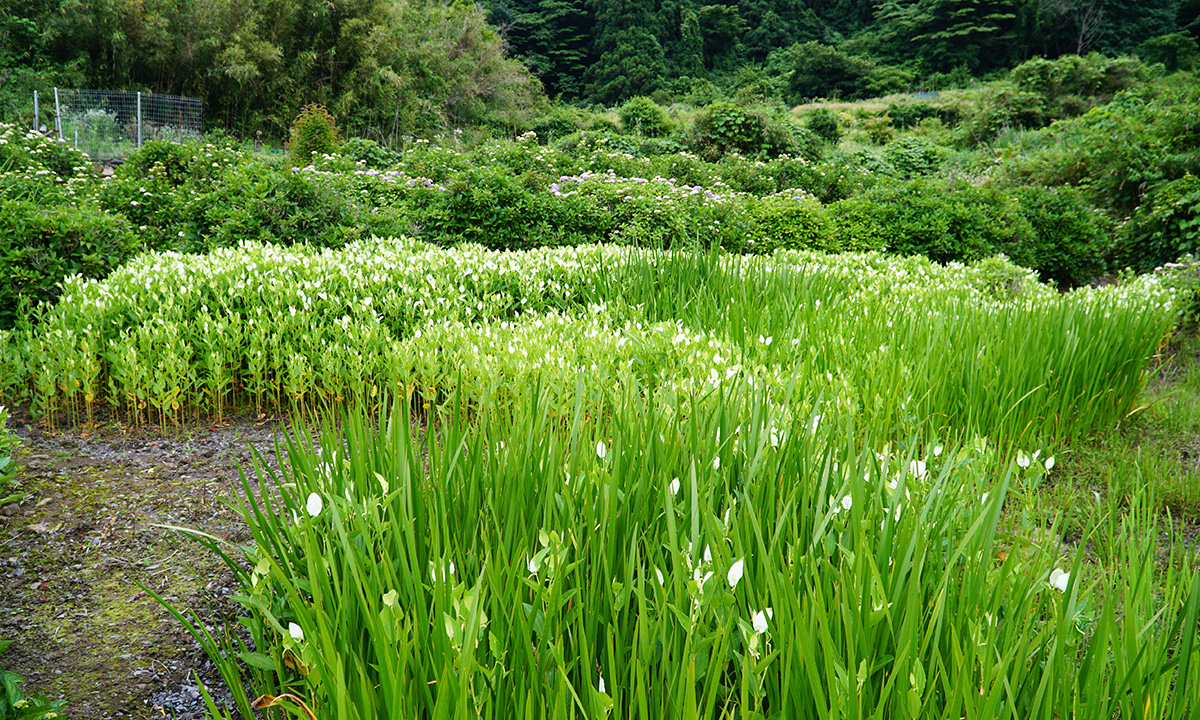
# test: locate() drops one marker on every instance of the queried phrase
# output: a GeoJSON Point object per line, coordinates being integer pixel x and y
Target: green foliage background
{"type": "Point", "coordinates": [385, 69]}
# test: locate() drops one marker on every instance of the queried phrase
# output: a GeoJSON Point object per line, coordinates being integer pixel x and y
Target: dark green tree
{"type": "Point", "coordinates": [722, 28]}
{"type": "Point", "coordinates": [1127, 24]}
{"type": "Point", "coordinates": [1069, 26]}
{"type": "Point", "coordinates": [823, 71]}
{"type": "Point", "coordinates": [1188, 18]}
{"type": "Point", "coordinates": [552, 37]}
{"type": "Point", "coordinates": [689, 55]}
{"type": "Point", "coordinates": [629, 57]}
{"type": "Point", "coordinates": [944, 34]}
{"type": "Point", "coordinates": [1177, 51]}
{"type": "Point", "coordinates": [778, 25]}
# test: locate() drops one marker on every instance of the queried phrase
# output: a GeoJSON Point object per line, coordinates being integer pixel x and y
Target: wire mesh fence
{"type": "Point", "coordinates": [112, 124]}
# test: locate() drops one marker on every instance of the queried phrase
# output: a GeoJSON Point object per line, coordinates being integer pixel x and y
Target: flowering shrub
{"type": "Point", "coordinates": [35, 167]}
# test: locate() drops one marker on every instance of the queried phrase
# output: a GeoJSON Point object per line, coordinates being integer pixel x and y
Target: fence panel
{"type": "Point", "coordinates": [112, 124]}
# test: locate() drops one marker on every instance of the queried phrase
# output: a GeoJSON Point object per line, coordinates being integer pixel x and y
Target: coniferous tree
{"type": "Point", "coordinates": [690, 53]}
{"type": "Point", "coordinates": [552, 37]}
{"type": "Point", "coordinates": [1127, 24]}
{"type": "Point", "coordinates": [945, 34]}
{"type": "Point", "coordinates": [629, 57]}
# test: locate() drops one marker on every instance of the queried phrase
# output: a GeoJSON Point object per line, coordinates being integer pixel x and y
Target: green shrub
{"type": "Point", "coordinates": [821, 71]}
{"type": "Point", "coordinates": [781, 136]}
{"type": "Point", "coordinates": [869, 159]}
{"type": "Point", "coordinates": [197, 196]}
{"type": "Point", "coordinates": [150, 202]}
{"type": "Point", "coordinates": [1165, 227]}
{"type": "Point", "coordinates": [942, 220]}
{"type": "Point", "coordinates": [999, 278]}
{"type": "Point", "coordinates": [313, 131]}
{"type": "Point", "coordinates": [370, 153]}
{"type": "Point", "coordinates": [1040, 91]}
{"type": "Point", "coordinates": [586, 141]}
{"type": "Point", "coordinates": [41, 246]}
{"type": "Point", "coordinates": [558, 123]}
{"type": "Point", "coordinates": [172, 161]}
{"type": "Point", "coordinates": [1094, 77]}
{"type": "Point", "coordinates": [1119, 152]}
{"type": "Point", "coordinates": [195, 163]}
{"type": "Point", "coordinates": [660, 146]}
{"type": "Point", "coordinates": [878, 128]}
{"type": "Point", "coordinates": [723, 128]}
{"type": "Point", "coordinates": [823, 123]}
{"type": "Point", "coordinates": [256, 201]}
{"type": "Point", "coordinates": [905, 115]}
{"type": "Point", "coordinates": [792, 220]}
{"type": "Point", "coordinates": [643, 116]}
{"type": "Point", "coordinates": [746, 175]}
{"type": "Point", "coordinates": [839, 176]}
{"type": "Point", "coordinates": [1176, 51]}
{"type": "Point", "coordinates": [602, 123]}
{"type": "Point", "coordinates": [1070, 240]}
{"type": "Point", "coordinates": [489, 206]}
{"type": "Point", "coordinates": [912, 156]}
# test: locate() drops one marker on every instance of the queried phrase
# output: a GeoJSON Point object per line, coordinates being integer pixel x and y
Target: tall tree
{"type": "Point", "coordinates": [722, 28]}
{"type": "Point", "coordinates": [1127, 24]}
{"type": "Point", "coordinates": [552, 37]}
{"type": "Point", "coordinates": [1070, 26]}
{"type": "Point", "coordinates": [948, 33]}
{"type": "Point", "coordinates": [689, 55]}
{"type": "Point", "coordinates": [629, 57]}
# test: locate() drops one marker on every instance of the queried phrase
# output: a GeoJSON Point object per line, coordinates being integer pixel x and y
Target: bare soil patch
{"type": "Point", "coordinates": [74, 550]}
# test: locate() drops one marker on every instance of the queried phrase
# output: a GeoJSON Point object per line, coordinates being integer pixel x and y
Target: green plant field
{"type": "Point", "coordinates": [906, 344]}
{"type": "Point", "coordinates": [606, 481]}
{"type": "Point", "coordinates": [698, 561]}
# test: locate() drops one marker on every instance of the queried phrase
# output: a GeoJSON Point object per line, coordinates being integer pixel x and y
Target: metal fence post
{"type": "Point", "coordinates": [139, 115]}
{"type": "Point", "coordinates": [37, 125]}
{"type": "Point", "coordinates": [57, 116]}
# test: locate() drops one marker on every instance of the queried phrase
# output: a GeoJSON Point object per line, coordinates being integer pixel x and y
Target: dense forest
{"type": "Point", "coordinates": [389, 68]}
{"type": "Point", "coordinates": [606, 51]}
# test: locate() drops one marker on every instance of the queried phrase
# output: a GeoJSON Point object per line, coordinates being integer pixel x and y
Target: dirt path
{"type": "Point", "coordinates": [72, 552]}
